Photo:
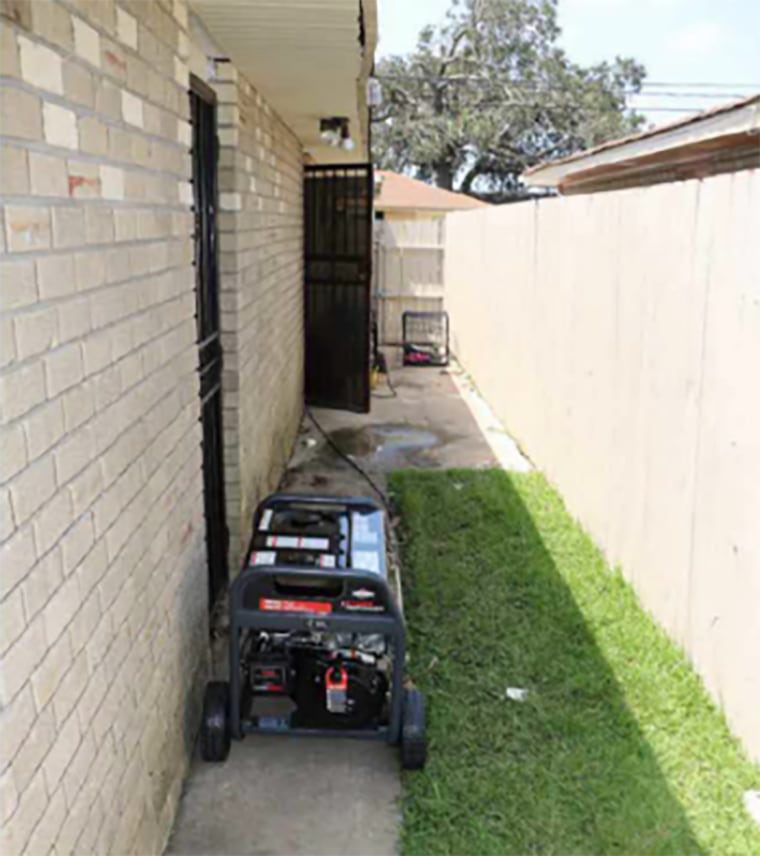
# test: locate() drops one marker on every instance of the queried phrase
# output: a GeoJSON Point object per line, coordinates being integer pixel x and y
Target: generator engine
{"type": "Point", "coordinates": [329, 680]}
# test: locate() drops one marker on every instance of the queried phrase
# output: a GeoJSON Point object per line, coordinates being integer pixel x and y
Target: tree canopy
{"type": "Point", "coordinates": [490, 92]}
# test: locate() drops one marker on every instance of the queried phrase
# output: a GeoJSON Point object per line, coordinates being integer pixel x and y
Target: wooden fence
{"type": "Point", "coordinates": [408, 271]}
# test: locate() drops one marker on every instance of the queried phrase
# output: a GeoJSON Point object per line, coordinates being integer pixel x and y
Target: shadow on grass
{"type": "Point", "coordinates": [568, 770]}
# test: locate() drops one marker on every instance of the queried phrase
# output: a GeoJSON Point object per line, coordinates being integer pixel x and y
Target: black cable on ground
{"type": "Point", "coordinates": [391, 387]}
{"type": "Point", "coordinates": [362, 472]}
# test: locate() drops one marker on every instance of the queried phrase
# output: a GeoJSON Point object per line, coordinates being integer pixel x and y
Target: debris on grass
{"type": "Point", "coordinates": [516, 694]}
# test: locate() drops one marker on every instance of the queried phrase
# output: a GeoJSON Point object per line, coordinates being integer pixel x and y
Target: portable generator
{"type": "Point", "coordinates": [317, 639]}
{"type": "Point", "coordinates": [425, 338]}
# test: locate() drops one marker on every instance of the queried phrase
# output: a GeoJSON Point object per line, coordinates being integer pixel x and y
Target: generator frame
{"type": "Point", "coordinates": [257, 603]}
{"type": "Point", "coordinates": [390, 625]}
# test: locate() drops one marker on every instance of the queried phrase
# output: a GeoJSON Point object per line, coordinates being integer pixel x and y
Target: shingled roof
{"type": "Point", "coordinates": [399, 192]}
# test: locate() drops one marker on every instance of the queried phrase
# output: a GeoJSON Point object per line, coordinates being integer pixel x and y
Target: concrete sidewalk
{"type": "Point", "coordinates": [331, 796]}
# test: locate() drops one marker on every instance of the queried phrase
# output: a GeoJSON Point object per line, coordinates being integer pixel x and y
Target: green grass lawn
{"type": "Point", "coordinates": [617, 748]}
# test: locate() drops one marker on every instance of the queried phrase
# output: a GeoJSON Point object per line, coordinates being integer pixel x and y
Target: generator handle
{"type": "Point", "coordinates": [356, 576]}
{"type": "Point", "coordinates": [357, 502]}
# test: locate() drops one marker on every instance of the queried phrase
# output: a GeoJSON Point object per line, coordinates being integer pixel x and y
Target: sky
{"type": "Point", "coordinates": [680, 41]}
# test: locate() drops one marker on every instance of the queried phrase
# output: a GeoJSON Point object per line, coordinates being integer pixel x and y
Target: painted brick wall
{"type": "Point", "coordinates": [103, 629]}
{"type": "Point", "coordinates": [261, 261]}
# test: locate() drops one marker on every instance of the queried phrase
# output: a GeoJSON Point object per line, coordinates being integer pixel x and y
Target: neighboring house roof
{"type": "Point", "coordinates": [722, 139]}
{"type": "Point", "coordinates": [395, 192]}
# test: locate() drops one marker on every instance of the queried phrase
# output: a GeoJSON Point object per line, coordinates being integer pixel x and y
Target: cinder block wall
{"type": "Point", "coordinates": [261, 262]}
{"type": "Point", "coordinates": [103, 581]}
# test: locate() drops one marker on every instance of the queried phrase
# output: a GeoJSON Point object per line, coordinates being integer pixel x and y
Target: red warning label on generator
{"type": "Point", "coordinates": [271, 605]}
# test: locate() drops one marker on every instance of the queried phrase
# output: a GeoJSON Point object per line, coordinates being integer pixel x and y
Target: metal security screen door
{"type": "Point", "coordinates": [203, 115]}
{"type": "Point", "coordinates": [337, 269]}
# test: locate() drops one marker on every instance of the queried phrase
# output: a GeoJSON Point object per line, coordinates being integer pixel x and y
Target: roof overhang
{"type": "Point", "coordinates": [310, 59]}
{"type": "Point", "coordinates": [729, 129]}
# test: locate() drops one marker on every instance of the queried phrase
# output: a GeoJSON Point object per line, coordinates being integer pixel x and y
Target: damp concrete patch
{"type": "Point", "coordinates": [390, 447]}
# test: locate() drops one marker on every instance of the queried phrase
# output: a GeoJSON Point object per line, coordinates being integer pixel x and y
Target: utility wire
{"type": "Point", "coordinates": [625, 92]}
{"type": "Point", "coordinates": [581, 102]}
{"type": "Point", "coordinates": [686, 90]}
{"type": "Point", "coordinates": [643, 108]}
{"type": "Point", "coordinates": [646, 84]}
{"type": "Point", "coordinates": [667, 94]}
{"type": "Point", "coordinates": [391, 387]}
{"type": "Point", "coordinates": [651, 108]}
{"type": "Point", "coordinates": [695, 84]}
{"type": "Point", "coordinates": [525, 91]}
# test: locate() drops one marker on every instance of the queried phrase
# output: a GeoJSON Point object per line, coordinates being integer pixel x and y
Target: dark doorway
{"type": "Point", "coordinates": [337, 270]}
{"type": "Point", "coordinates": [204, 153]}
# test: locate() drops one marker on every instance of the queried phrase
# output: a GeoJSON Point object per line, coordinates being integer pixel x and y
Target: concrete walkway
{"type": "Point", "coordinates": [329, 796]}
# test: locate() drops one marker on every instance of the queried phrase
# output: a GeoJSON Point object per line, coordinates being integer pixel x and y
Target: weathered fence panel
{"type": "Point", "coordinates": [408, 271]}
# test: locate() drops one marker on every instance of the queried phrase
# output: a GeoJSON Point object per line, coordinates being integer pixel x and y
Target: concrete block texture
{"type": "Point", "coordinates": [617, 336]}
{"type": "Point", "coordinates": [103, 590]}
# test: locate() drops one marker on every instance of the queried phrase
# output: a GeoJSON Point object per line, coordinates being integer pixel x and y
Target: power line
{"type": "Point", "coordinates": [645, 109]}
{"type": "Point", "coordinates": [527, 90]}
{"type": "Point", "coordinates": [641, 108]}
{"type": "Point", "coordinates": [666, 94]}
{"type": "Point", "coordinates": [755, 86]}
{"type": "Point", "coordinates": [725, 90]}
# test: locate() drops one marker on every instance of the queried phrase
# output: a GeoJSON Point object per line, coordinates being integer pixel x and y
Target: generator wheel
{"type": "Point", "coordinates": [413, 743]}
{"type": "Point", "coordinates": [215, 724]}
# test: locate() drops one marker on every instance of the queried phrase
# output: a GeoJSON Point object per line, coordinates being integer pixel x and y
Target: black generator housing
{"type": "Point", "coordinates": [317, 640]}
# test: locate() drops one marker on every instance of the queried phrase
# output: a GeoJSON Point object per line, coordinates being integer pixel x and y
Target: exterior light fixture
{"type": "Point", "coordinates": [334, 131]}
{"type": "Point", "coordinates": [329, 131]}
{"type": "Point", "coordinates": [346, 143]}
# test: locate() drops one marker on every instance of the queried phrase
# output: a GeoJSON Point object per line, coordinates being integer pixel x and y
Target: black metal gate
{"type": "Point", "coordinates": [205, 156]}
{"type": "Point", "coordinates": [337, 270]}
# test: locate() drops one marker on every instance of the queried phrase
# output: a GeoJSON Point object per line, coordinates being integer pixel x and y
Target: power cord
{"type": "Point", "coordinates": [362, 472]}
{"type": "Point", "coordinates": [391, 387]}
{"type": "Point", "coordinates": [380, 365]}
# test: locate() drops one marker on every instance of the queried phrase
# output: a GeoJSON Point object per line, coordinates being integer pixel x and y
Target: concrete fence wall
{"type": "Point", "coordinates": [617, 335]}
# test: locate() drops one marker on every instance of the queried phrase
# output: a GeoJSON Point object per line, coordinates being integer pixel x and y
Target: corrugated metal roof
{"type": "Point", "coordinates": [401, 192]}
